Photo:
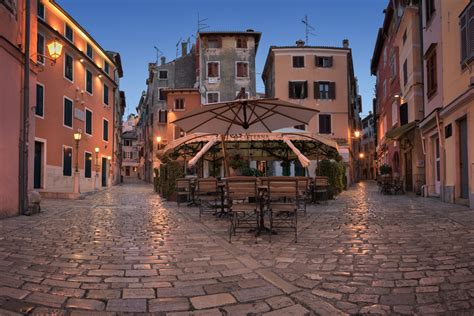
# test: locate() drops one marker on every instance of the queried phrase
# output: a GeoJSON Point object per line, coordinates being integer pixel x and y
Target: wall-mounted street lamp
{"type": "Point", "coordinates": [356, 134]}
{"type": "Point", "coordinates": [77, 138]}
{"type": "Point", "coordinates": [96, 178]}
{"type": "Point", "coordinates": [158, 141]}
{"type": "Point", "coordinates": [361, 155]}
{"type": "Point", "coordinates": [55, 49]}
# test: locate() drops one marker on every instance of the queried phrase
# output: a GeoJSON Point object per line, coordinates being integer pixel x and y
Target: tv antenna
{"type": "Point", "coordinates": [177, 46]}
{"type": "Point", "coordinates": [308, 29]}
{"type": "Point", "coordinates": [202, 25]}
{"type": "Point", "coordinates": [159, 53]}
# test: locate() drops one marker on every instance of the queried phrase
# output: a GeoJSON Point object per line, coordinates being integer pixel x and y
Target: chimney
{"type": "Point", "coordinates": [345, 43]}
{"type": "Point", "coordinates": [184, 48]}
{"type": "Point", "coordinates": [163, 60]}
{"type": "Point", "coordinates": [300, 43]}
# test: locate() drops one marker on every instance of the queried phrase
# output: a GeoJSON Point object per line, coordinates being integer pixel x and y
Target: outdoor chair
{"type": "Point", "coordinates": [183, 189]}
{"type": "Point", "coordinates": [243, 203]}
{"type": "Point", "coordinates": [321, 188]}
{"type": "Point", "coordinates": [397, 186]}
{"type": "Point", "coordinates": [303, 193]}
{"type": "Point", "coordinates": [207, 195]}
{"type": "Point", "coordinates": [283, 204]}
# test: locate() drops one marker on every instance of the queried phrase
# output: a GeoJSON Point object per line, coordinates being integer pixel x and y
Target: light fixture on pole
{"type": "Point", "coordinates": [77, 138]}
{"type": "Point", "coordinates": [158, 141]}
{"type": "Point", "coordinates": [96, 178]}
{"type": "Point", "coordinates": [361, 155]}
{"type": "Point", "coordinates": [357, 134]}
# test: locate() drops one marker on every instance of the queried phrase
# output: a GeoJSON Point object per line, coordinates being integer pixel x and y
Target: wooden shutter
{"type": "Point", "coordinates": [316, 90]}
{"type": "Point", "coordinates": [330, 61]}
{"type": "Point", "coordinates": [305, 89]}
{"type": "Point", "coordinates": [332, 90]}
{"type": "Point", "coordinates": [291, 90]}
{"type": "Point", "coordinates": [316, 61]}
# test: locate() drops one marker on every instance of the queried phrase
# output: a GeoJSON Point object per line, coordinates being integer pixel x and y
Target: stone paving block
{"type": "Point", "coordinates": [375, 309]}
{"type": "Point", "coordinates": [138, 293]}
{"type": "Point", "coordinates": [140, 273]}
{"type": "Point", "coordinates": [168, 304]}
{"type": "Point", "coordinates": [204, 312]}
{"type": "Point", "coordinates": [42, 311]}
{"type": "Point", "coordinates": [398, 299]}
{"type": "Point", "coordinates": [87, 304]}
{"type": "Point", "coordinates": [13, 292]}
{"type": "Point", "coordinates": [59, 283]}
{"type": "Point", "coordinates": [104, 294]}
{"type": "Point", "coordinates": [316, 304]}
{"type": "Point", "coordinates": [326, 294]}
{"type": "Point", "coordinates": [46, 299]}
{"type": "Point", "coordinates": [106, 273]}
{"type": "Point", "coordinates": [274, 279]}
{"type": "Point", "coordinates": [64, 291]}
{"type": "Point", "coordinates": [363, 298]}
{"type": "Point", "coordinates": [278, 302]}
{"type": "Point", "coordinates": [256, 293]}
{"type": "Point", "coordinates": [127, 305]}
{"type": "Point", "coordinates": [290, 310]}
{"type": "Point", "coordinates": [180, 291]}
{"type": "Point", "coordinates": [246, 309]}
{"type": "Point", "coordinates": [214, 300]}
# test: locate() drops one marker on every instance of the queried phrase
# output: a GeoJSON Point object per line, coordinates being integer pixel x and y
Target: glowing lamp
{"type": "Point", "coordinates": [361, 155]}
{"type": "Point", "coordinates": [96, 149]}
{"type": "Point", "coordinates": [158, 139]}
{"type": "Point", "coordinates": [55, 49]}
{"type": "Point", "coordinates": [77, 136]}
{"type": "Point", "coordinates": [357, 134]}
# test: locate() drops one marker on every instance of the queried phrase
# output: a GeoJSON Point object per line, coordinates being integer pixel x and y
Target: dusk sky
{"type": "Point", "coordinates": [133, 28]}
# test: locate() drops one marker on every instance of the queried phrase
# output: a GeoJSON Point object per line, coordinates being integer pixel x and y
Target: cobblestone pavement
{"type": "Point", "coordinates": [126, 251]}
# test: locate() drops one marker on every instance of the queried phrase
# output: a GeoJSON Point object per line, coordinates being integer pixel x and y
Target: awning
{"type": "Point", "coordinates": [204, 150]}
{"type": "Point", "coordinates": [397, 133]}
{"type": "Point", "coordinates": [303, 160]}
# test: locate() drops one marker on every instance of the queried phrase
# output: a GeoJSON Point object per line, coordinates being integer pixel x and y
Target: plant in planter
{"type": "Point", "coordinates": [238, 164]}
{"type": "Point", "coordinates": [336, 173]}
{"type": "Point", "coordinates": [169, 172]}
{"type": "Point", "coordinates": [385, 169]}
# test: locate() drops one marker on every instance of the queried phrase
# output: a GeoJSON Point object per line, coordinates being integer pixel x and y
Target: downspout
{"type": "Point", "coordinates": [420, 29]}
{"type": "Point", "coordinates": [23, 196]}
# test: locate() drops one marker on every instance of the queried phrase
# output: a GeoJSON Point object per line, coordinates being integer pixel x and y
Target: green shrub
{"type": "Point", "coordinates": [336, 173]}
{"type": "Point", "coordinates": [169, 172]}
{"type": "Point", "coordinates": [385, 169]}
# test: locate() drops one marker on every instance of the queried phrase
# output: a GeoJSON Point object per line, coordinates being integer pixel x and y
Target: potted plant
{"type": "Point", "coordinates": [385, 170]}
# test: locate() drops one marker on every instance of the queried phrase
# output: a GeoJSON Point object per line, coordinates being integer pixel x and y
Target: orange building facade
{"type": "Point", "coordinates": [77, 94]}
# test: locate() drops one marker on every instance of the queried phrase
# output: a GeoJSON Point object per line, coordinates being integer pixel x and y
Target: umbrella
{"type": "Point", "coordinates": [244, 116]}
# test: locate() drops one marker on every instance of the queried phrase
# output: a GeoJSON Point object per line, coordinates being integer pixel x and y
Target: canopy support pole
{"type": "Point", "coordinates": [224, 154]}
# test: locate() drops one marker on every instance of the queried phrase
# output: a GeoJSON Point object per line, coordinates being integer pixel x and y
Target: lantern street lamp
{"type": "Point", "coordinates": [361, 155]}
{"type": "Point", "coordinates": [96, 178]}
{"type": "Point", "coordinates": [76, 184]}
{"type": "Point", "coordinates": [356, 134]}
{"type": "Point", "coordinates": [55, 49]}
{"type": "Point", "coordinates": [158, 141]}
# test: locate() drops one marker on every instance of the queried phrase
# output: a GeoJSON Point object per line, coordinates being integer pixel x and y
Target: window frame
{"type": "Point", "coordinates": [36, 105]}
{"type": "Point", "coordinates": [468, 50]}
{"type": "Point", "coordinates": [183, 104]}
{"type": "Point", "coordinates": [66, 55]}
{"type": "Point", "coordinates": [41, 4]}
{"type": "Point", "coordinates": [160, 116]}
{"type": "Point", "coordinates": [237, 67]}
{"type": "Point", "coordinates": [431, 71]}
{"type": "Point", "coordinates": [430, 10]}
{"type": "Point", "coordinates": [162, 71]}
{"type": "Point", "coordinates": [330, 60]}
{"type": "Point", "coordinates": [213, 92]}
{"type": "Point", "coordinates": [305, 91]}
{"type": "Point", "coordinates": [89, 46]}
{"type": "Point", "coordinates": [293, 61]}
{"type": "Point", "coordinates": [241, 38]}
{"type": "Point", "coordinates": [92, 81]}
{"type": "Point", "coordinates": [66, 27]}
{"type": "Point", "coordinates": [105, 129]}
{"type": "Point", "coordinates": [85, 160]}
{"type": "Point", "coordinates": [104, 94]}
{"type": "Point", "coordinates": [40, 59]}
{"type": "Point", "coordinates": [64, 112]}
{"type": "Point", "coordinates": [106, 67]}
{"type": "Point", "coordinates": [86, 109]}
{"type": "Point", "coordinates": [62, 160]}
{"type": "Point", "coordinates": [319, 123]}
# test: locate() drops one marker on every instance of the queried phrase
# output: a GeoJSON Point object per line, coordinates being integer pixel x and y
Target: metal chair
{"type": "Point", "coordinates": [283, 204]}
{"type": "Point", "coordinates": [321, 188]}
{"type": "Point", "coordinates": [206, 193]}
{"type": "Point", "coordinates": [303, 193]}
{"type": "Point", "coordinates": [243, 203]}
{"type": "Point", "coordinates": [182, 189]}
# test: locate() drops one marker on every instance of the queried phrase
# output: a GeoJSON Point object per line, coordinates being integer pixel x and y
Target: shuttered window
{"type": "Point", "coordinates": [467, 33]}
{"type": "Point", "coordinates": [241, 42]}
{"type": "Point", "coordinates": [431, 72]}
{"type": "Point", "coordinates": [40, 48]}
{"type": "Point", "coordinates": [324, 90]}
{"type": "Point", "coordinates": [324, 61]}
{"type": "Point", "coordinates": [162, 116]}
{"type": "Point", "coordinates": [89, 81]}
{"type": "Point", "coordinates": [87, 165]}
{"type": "Point", "coordinates": [105, 133]}
{"type": "Point", "coordinates": [39, 109]}
{"type": "Point", "coordinates": [89, 51]}
{"type": "Point", "coordinates": [213, 42]}
{"type": "Point", "coordinates": [213, 70]}
{"type": "Point", "coordinates": [212, 97]}
{"type": "Point", "coordinates": [298, 89]}
{"type": "Point", "coordinates": [68, 33]}
{"type": "Point", "coordinates": [41, 10]}
{"type": "Point", "coordinates": [179, 104]}
{"type": "Point", "coordinates": [67, 161]}
{"type": "Point", "coordinates": [88, 122]}
{"type": "Point", "coordinates": [106, 94]}
{"type": "Point", "coordinates": [405, 73]}
{"type": "Point", "coordinates": [325, 123]}
{"type": "Point", "coordinates": [242, 69]}
{"type": "Point", "coordinates": [298, 61]}
{"type": "Point", "coordinates": [68, 67]}
{"type": "Point", "coordinates": [429, 9]}
{"type": "Point", "coordinates": [67, 119]}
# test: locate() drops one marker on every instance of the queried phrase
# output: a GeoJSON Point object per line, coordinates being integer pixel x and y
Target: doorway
{"type": "Point", "coordinates": [104, 171]}
{"type": "Point", "coordinates": [408, 172]}
{"type": "Point", "coordinates": [463, 162]}
{"type": "Point", "coordinates": [38, 165]}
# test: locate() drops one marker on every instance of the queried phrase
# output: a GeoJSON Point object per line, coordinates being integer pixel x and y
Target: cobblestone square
{"type": "Point", "coordinates": [124, 250]}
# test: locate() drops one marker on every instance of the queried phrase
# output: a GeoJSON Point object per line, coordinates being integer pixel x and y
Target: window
{"type": "Point", "coordinates": [298, 61]}
{"type": "Point", "coordinates": [67, 119]}
{"type": "Point", "coordinates": [88, 81]}
{"type": "Point", "coordinates": [179, 104]}
{"type": "Point", "coordinates": [39, 109]}
{"type": "Point", "coordinates": [162, 96]}
{"type": "Point", "coordinates": [325, 123]}
{"type": "Point", "coordinates": [241, 42]}
{"type": "Point", "coordinates": [106, 67]}
{"type": "Point", "coordinates": [429, 9]}
{"type": "Point", "coordinates": [242, 69]}
{"type": "Point", "coordinates": [41, 10]}
{"type": "Point", "coordinates": [405, 73]}
{"type": "Point", "coordinates": [448, 131]}
{"type": "Point", "coordinates": [298, 89]}
{"type": "Point", "coordinates": [403, 114]}
{"type": "Point", "coordinates": [105, 130]}
{"type": "Point", "coordinates": [106, 94]}
{"type": "Point", "coordinates": [163, 74]}
{"type": "Point", "coordinates": [323, 62]}
{"type": "Point", "coordinates": [68, 33]}
{"type": "Point", "coordinates": [40, 49]}
{"type": "Point", "coordinates": [431, 72]}
{"type": "Point", "coordinates": [213, 70]}
{"type": "Point", "coordinates": [212, 97]}
{"type": "Point", "coordinates": [67, 161]}
{"type": "Point", "coordinates": [89, 51]}
{"type": "Point", "coordinates": [87, 165]}
{"type": "Point", "coordinates": [213, 42]}
{"type": "Point", "coordinates": [393, 65]}
{"type": "Point", "coordinates": [467, 33]}
{"type": "Point", "coordinates": [395, 112]}
{"type": "Point", "coordinates": [162, 116]}
{"type": "Point", "coordinates": [325, 90]}
{"type": "Point", "coordinates": [88, 122]}
{"type": "Point", "coordinates": [68, 67]}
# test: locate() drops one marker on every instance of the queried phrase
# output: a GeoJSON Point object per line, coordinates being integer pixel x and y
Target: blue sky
{"type": "Point", "coordinates": [134, 27]}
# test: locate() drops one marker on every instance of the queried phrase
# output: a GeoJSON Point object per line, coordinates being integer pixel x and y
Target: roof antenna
{"type": "Point", "coordinates": [308, 28]}
{"type": "Point", "coordinates": [202, 25]}
{"type": "Point", "coordinates": [158, 54]}
{"type": "Point", "coordinates": [177, 46]}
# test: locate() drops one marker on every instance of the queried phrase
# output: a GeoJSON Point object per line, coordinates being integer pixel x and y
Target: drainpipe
{"type": "Point", "coordinates": [23, 196]}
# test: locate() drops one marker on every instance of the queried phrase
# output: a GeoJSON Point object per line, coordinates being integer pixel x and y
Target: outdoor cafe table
{"type": "Point", "coordinates": [221, 186]}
